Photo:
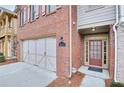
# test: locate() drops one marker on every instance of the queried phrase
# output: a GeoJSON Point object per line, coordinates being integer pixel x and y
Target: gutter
{"type": "Point", "coordinates": [116, 43]}
{"type": "Point", "coordinates": [70, 39]}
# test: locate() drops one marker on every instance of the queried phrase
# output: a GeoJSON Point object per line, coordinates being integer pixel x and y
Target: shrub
{"type": "Point", "coordinates": [1, 57]}
{"type": "Point", "coordinates": [116, 84]}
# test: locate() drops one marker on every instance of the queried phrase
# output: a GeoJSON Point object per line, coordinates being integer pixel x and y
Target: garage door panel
{"type": "Point", "coordinates": [51, 54]}
{"type": "Point", "coordinates": [32, 47]}
{"type": "Point", "coordinates": [32, 52]}
{"type": "Point", "coordinates": [25, 57]}
{"type": "Point", "coordinates": [25, 47]}
{"type": "Point", "coordinates": [51, 63]}
{"type": "Point", "coordinates": [41, 61]}
{"type": "Point", "coordinates": [51, 47]}
{"type": "Point", "coordinates": [41, 52]}
{"type": "Point", "coordinates": [25, 51]}
{"type": "Point", "coordinates": [32, 59]}
{"type": "Point", "coordinates": [40, 47]}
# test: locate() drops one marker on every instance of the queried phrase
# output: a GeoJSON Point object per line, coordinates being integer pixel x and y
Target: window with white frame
{"type": "Point", "coordinates": [28, 13]}
{"type": "Point", "coordinates": [43, 9]}
{"type": "Point", "coordinates": [21, 18]}
{"type": "Point", "coordinates": [25, 17]}
{"type": "Point", "coordinates": [34, 12]}
{"type": "Point", "coordinates": [51, 8]}
{"type": "Point", "coordinates": [36, 8]}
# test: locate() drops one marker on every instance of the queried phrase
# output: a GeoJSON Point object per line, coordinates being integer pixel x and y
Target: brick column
{"type": "Point", "coordinates": [111, 52]}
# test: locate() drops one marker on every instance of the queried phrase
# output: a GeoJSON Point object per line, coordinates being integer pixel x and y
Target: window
{"type": "Point", "coordinates": [105, 52]}
{"type": "Point", "coordinates": [21, 18]}
{"type": "Point", "coordinates": [51, 8]}
{"type": "Point", "coordinates": [25, 17]}
{"type": "Point", "coordinates": [43, 10]}
{"type": "Point", "coordinates": [87, 51]}
{"type": "Point", "coordinates": [34, 12]}
{"type": "Point", "coordinates": [10, 22]}
{"type": "Point", "coordinates": [36, 8]}
{"type": "Point", "coordinates": [28, 13]}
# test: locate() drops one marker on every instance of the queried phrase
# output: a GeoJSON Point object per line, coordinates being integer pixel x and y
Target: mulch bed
{"type": "Point", "coordinates": [108, 82]}
{"type": "Point", "coordinates": [6, 62]}
{"type": "Point", "coordinates": [64, 82]}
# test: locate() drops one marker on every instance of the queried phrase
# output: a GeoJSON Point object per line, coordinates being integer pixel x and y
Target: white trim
{"type": "Point", "coordinates": [70, 34]}
{"type": "Point", "coordinates": [103, 37]}
{"type": "Point", "coordinates": [96, 24]}
{"type": "Point", "coordinates": [116, 51]}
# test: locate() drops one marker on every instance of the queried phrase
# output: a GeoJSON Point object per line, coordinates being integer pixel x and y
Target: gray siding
{"type": "Point", "coordinates": [95, 17]}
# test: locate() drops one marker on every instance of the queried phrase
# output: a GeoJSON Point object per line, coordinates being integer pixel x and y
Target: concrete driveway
{"type": "Point", "coordinates": [24, 75]}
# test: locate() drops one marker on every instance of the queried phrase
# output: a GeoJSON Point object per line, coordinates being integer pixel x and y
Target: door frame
{"type": "Point", "coordinates": [104, 38]}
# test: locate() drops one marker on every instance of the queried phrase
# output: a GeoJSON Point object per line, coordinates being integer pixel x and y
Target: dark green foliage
{"type": "Point", "coordinates": [116, 84]}
{"type": "Point", "coordinates": [1, 57]}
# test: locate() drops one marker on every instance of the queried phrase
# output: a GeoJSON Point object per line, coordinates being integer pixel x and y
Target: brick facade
{"type": "Point", "coordinates": [54, 24]}
{"type": "Point", "coordinates": [57, 24]}
{"type": "Point", "coordinates": [111, 52]}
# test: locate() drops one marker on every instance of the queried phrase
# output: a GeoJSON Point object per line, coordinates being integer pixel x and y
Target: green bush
{"type": "Point", "coordinates": [2, 57]}
{"type": "Point", "coordinates": [116, 84]}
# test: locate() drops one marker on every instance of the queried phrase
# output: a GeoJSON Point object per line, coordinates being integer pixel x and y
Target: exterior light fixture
{"type": "Point", "coordinates": [93, 29]}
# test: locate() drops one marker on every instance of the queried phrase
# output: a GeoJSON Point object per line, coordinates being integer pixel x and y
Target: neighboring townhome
{"type": "Point", "coordinates": [8, 30]}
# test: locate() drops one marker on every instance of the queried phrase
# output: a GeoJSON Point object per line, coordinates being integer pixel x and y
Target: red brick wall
{"type": "Point", "coordinates": [76, 41]}
{"type": "Point", "coordinates": [111, 53]}
{"type": "Point", "coordinates": [53, 24]}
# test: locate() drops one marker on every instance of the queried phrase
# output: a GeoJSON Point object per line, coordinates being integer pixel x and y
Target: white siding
{"type": "Point", "coordinates": [95, 17]}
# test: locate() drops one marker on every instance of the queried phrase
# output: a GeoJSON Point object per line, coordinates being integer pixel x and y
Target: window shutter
{"type": "Point", "coordinates": [43, 9]}
{"type": "Point", "coordinates": [36, 11]}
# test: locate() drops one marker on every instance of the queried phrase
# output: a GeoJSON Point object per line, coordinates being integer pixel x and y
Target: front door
{"type": "Point", "coordinates": [95, 52]}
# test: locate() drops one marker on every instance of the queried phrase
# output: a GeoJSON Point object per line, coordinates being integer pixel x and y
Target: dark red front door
{"type": "Point", "coordinates": [95, 52]}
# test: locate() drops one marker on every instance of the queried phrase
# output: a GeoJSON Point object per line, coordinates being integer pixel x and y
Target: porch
{"type": "Point", "coordinates": [97, 51]}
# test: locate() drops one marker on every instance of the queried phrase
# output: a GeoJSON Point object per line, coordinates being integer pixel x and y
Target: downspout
{"type": "Point", "coordinates": [116, 43]}
{"type": "Point", "coordinates": [70, 39]}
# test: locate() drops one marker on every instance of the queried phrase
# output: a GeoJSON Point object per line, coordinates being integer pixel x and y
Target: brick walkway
{"type": "Point", "coordinates": [63, 82]}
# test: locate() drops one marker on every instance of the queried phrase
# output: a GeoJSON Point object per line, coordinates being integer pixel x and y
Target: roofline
{"type": "Point", "coordinates": [8, 11]}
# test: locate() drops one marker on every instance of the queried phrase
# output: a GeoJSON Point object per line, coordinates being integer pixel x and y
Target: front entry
{"type": "Point", "coordinates": [95, 52]}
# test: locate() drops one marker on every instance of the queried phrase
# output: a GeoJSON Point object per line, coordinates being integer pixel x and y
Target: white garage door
{"type": "Point", "coordinates": [41, 52]}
